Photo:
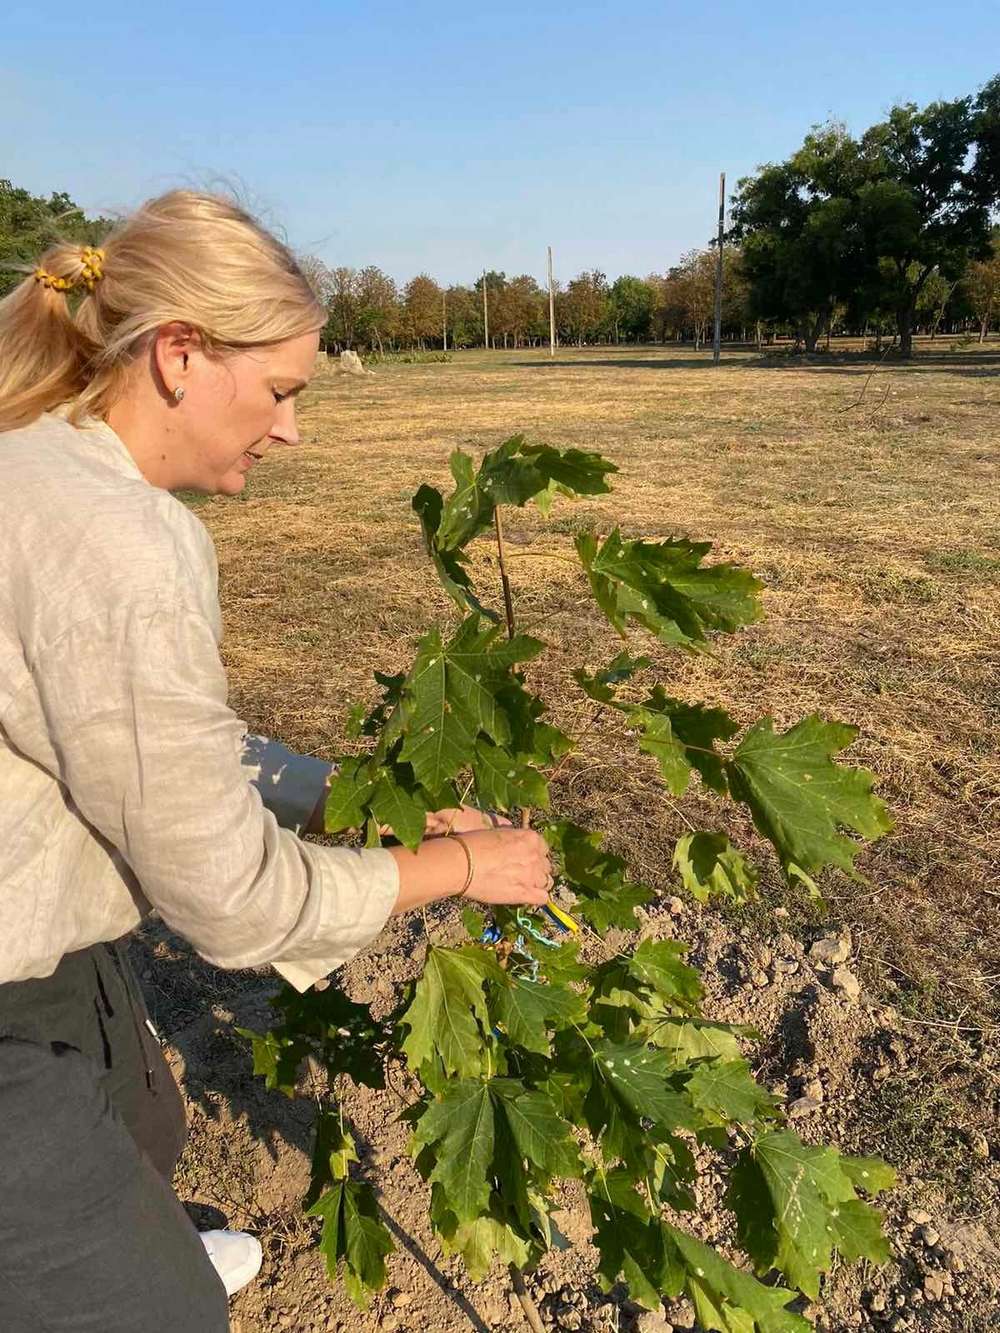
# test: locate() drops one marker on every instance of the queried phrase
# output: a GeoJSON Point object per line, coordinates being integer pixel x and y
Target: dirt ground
{"type": "Point", "coordinates": [867, 497]}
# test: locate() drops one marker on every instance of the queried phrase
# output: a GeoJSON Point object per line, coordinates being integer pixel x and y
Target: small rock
{"type": "Point", "coordinates": [980, 1146]}
{"type": "Point", "coordinates": [760, 978]}
{"type": "Point", "coordinates": [831, 950]}
{"type": "Point", "coordinates": [781, 913]}
{"type": "Point", "coordinates": [675, 906]}
{"type": "Point", "coordinates": [681, 1315]}
{"type": "Point", "coordinates": [570, 1320]}
{"type": "Point", "coordinates": [934, 1287]}
{"type": "Point", "coordinates": [929, 1236]}
{"type": "Point", "coordinates": [651, 1322]}
{"type": "Point", "coordinates": [845, 980]}
{"type": "Point", "coordinates": [786, 967]}
{"type": "Point", "coordinates": [877, 1303]}
{"type": "Point", "coordinates": [803, 1106]}
{"type": "Point", "coordinates": [918, 1217]}
{"type": "Point", "coordinates": [813, 1089]}
{"type": "Point", "coordinates": [401, 1299]}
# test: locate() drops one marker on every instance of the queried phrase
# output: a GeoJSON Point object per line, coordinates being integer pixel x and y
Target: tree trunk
{"type": "Point", "coordinates": [983, 327]}
{"type": "Point", "coordinates": [904, 319]}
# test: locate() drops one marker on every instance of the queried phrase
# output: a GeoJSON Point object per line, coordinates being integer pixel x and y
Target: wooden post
{"type": "Point", "coordinates": [486, 316]}
{"type": "Point", "coordinates": [717, 343]}
{"type": "Point", "coordinates": [552, 309]}
{"type": "Point", "coordinates": [444, 319]}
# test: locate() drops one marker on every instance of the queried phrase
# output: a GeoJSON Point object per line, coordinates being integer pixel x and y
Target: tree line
{"type": "Point", "coordinates": [885, 234]}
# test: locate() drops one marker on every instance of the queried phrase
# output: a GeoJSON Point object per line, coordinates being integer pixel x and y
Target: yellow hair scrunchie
{"type": "Point", "coordinates": [92, 271]}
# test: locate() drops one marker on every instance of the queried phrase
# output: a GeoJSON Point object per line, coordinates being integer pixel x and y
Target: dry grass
{"type": "Point", "coordinates": [874, 527]}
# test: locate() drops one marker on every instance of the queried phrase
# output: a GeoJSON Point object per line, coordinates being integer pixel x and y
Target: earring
{"type": "Point", "coordinates": [178, 394]}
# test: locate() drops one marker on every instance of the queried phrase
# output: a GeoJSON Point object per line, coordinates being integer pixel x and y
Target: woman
{"type": "Point", "coordinates": [170, 357]}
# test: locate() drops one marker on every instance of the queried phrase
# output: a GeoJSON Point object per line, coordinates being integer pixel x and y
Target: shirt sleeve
{"type": "Point", "coordinates": [290, 784]}
{"type": "Point", "coordinates": [135, 702]}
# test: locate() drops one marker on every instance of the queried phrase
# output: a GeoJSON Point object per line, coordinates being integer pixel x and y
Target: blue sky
{"type": "Point", "coordinates": [444, 138]}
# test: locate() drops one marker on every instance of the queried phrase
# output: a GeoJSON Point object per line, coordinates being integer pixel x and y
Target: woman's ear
{"type": "Point", "coordinates": [172, 347]}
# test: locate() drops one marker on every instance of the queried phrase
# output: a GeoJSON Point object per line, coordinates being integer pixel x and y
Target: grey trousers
{"type": "Point", "coordinates": [92, 1237]}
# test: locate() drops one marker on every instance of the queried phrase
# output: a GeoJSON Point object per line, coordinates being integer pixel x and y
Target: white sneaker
{"type": "Point", "coordinates": [236, 1256]}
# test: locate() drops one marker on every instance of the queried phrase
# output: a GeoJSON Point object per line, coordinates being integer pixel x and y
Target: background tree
{"type": "Point", "coordinates": [422, 312]}
{"type": "Point", "coordinates": [584, 306]}
{"type": "Point", "coordinates": [29, 224]}
{"type": "Point", "coordinates": [797, 222]}
{"type": "Point", "coordinates": [465, 317]}
{"type": "Point", "coordinates": [342, 302]}
{"type": "Point", "coordinates": [378, 308]}
{"type": "Point", "coordinates": [631, 302]}
{"type": "Point", "coordinates": [982, 287]}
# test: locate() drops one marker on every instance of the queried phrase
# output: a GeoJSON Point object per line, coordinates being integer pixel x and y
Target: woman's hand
{"type": "Point", "coordinates": [509, 866]}
{"type": "Point", "coordinates": [466, 819]}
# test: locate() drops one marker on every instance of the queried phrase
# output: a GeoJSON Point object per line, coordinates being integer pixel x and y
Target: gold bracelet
{"type": "Point", "coordinates": [472, 870]}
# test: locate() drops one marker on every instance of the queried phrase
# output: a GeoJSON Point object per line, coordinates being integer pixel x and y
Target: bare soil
{"type": "Point", "coordinates": [866, 496]}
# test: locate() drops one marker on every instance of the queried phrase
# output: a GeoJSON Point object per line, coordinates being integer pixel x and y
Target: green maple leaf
{"type": "Point", "coordinates": [709, 865]}
{"type": "Point", "coordinates": [638, 1077]}
{"type": "Point", "coordinates": [452, 696]}
{"type": "Point", "coordinates": [459, 1127]}
{"type": "Point", "coordinates": [348, 795]}
{"type": "Point", "coordinates": [448, 1016]}
{"type": "Point", "coordinates": [469, 509]}
{"type": "Point", "coordinates": [504, 781]}
{"type": "Point", "coordinates": [803, 1191]}
{"type": "Point", "coordinates": [664, 587]}
{"type": "Point", "coordinates": [366, 1243]}
{"type": "Point", "coordinates": [277, 1057]}
{"type": "Point", "coordinates": [602, 686]}
{"type": "Point", "coordinates": [870, 1174]}
{"type": "Point", "coordinates": [726, 1091]}
{"type": "Point", "coordinates": [686, 1039]}
{"type": "Point", "coordinates": [403, 807]}
{"type": "Point", "coordinates": [682, 737]}
{"type": "Point", "coordinates": [329, 1206]}
{"type": "Point", "coordinates": [343, 1033]}
{"type": "Point", "coordinates": [482, 1239]}
{"type": "Point", "coordinates": [726, 1299]}
{"type": "Point", "coordinates": [632, 1245]}
{"type": "Point", "coordinates": [531, 740]}
{"type": "Point", "coordinates": [568, 472]}
{"type": "Point", "coordinates": [659, 963]}
{"type": "Point", "coordinates": [800, 799]}
{"type": "Point", "coordinates": [449, 564]}
{"type": "Point", "coordinates": [528, 1010]}
{"type": "Point", "coordinates": [333, 1151]}
{"type": "Point", "coordinates": [604, 896]}
{"type": "Point", "coordinates": [542, 1137]}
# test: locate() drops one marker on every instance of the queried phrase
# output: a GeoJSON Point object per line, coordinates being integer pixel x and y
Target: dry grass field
{"type": "Point", "coordinates": [869, 503]}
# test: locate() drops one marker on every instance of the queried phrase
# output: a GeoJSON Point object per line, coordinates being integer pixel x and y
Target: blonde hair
{"type": "Point", "coordinates": [195, 258]}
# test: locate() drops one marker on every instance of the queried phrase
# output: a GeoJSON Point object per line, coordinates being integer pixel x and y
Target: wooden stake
{"type": "Point", "coordinates": [444, 319]}
{"type": "Point", "coordinates": [486, 316]}
{"type": "Point", "coordinates": [504, 580]}
{"type": "Point", "coordinates": [717, 344]}
{"type": "Point", "coordinates": [524, 1298]}
{"type": "Point", "coordinates": [552, 309]}
{"type": "Point", "coordinates": [508, 606]}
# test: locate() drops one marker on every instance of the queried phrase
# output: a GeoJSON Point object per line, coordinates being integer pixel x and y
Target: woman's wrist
{"type": "Point", "coordinates": [437, 869]}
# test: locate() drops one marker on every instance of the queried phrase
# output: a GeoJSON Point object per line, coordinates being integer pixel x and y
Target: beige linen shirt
{"type": "Point", "coordinates": [126, 781]}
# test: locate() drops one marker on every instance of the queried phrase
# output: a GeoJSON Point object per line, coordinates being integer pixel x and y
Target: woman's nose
{"type": "Point", "coordinates": [286, 430]}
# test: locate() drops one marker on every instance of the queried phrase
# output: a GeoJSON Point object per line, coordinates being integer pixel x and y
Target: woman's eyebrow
{"type": "Point", "coordinates": [296, 386]}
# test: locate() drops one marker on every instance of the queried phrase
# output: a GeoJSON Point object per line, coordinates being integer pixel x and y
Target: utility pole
{"type": "Point", "coordinates": [486, 316]}
{"type": "Point", "coordinates": [552, 309]}
{"type": "Point", "coordinates": [717, 344]}
{"type": "Point", "coordinates": [444, 319]}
